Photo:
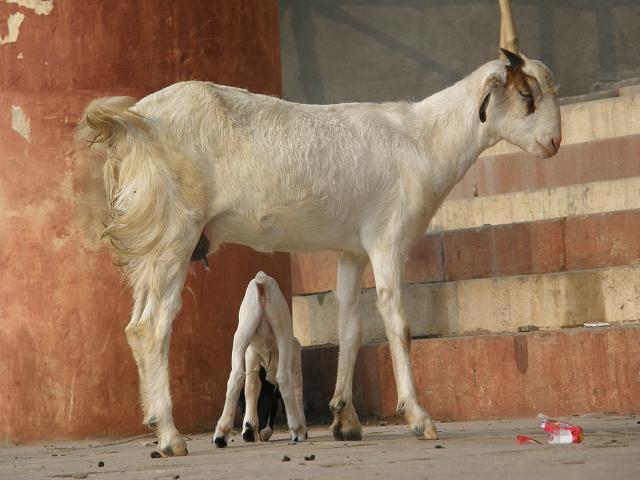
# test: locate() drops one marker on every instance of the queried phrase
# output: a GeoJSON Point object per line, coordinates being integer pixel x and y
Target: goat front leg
{"type": "Point", "coordinates": [157, 290]}
{"type": "Point", "coordinates": [297, 380]}
{"type": "Point", "coordinates": [346, 425]}
{"type": "Point", "coordinates": [387, 267]}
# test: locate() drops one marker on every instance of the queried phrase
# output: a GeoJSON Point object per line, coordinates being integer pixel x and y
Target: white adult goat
{"type": "Point", "coordinates": [363, 179]}
{"type": "Point", "coordinates": [264, 337]}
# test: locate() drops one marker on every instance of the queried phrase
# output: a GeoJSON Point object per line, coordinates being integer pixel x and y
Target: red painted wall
{"type": "Point", "coordinates": [65, 368]}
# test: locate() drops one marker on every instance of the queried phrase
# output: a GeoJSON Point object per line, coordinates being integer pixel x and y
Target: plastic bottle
{"type": "Point", "coordinates": [560, 432]}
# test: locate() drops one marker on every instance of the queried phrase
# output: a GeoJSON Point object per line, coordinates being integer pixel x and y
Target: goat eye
{"type": "Point", "coordinates": [525, 94]}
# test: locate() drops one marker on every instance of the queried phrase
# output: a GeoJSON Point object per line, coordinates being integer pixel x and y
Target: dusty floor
{"type": "Point", "coordinates": [478, 450]}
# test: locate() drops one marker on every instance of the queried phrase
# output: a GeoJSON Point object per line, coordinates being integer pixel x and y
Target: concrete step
{"type": "Point", "coordinates": [494, 376]}
{"type": "Point", "coordinates": [543, 204]}
{"type": "Point", "coordinates": [548, 246]}
{"type": "Point", "coordinates": [488, 305]}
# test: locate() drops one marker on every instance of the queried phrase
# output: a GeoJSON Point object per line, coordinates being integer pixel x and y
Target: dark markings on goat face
{"type": "Point", "coordinates": [518, 80]}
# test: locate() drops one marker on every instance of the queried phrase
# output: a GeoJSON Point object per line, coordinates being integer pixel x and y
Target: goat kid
{"type": "Point", "coordinates": [264, 338]}
{"type": "Point", "coordinates": [362, 179]}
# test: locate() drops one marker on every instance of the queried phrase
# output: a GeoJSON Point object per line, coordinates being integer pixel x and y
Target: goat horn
{"type": "Point", "coordinates": [508, 35]}
{"type": "Point", "coordinates": [514, 59]}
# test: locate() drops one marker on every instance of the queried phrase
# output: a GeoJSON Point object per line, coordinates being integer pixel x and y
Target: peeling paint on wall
{"type": "Point", "coordinates": [40, 7]}
{"type": "Point", "coordinates": [14, 22]}
{"type": "Point", "coordinates": [20, 123]}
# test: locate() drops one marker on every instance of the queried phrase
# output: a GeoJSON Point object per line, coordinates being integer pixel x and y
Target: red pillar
{"type": "Point", "coordinates": [65, 368]}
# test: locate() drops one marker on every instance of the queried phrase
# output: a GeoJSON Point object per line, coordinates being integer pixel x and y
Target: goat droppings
{"type": "Point", "coordinates": [101, 464]}
{"type": "Point", "coordinates": [286, 459]}
{"type": "Point", "coordinates": [310, 458]}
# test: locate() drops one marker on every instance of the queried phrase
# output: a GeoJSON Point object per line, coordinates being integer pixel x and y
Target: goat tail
{"type": "Point", "coordinates": [106, 120]}
{"type": "Point", "coordinates": [157, 195]}
{"type": "Point", "coordinates": [261, 280]}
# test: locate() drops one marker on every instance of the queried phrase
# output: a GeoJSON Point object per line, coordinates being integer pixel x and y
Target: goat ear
{"type": "Point", "coordinates": [483, 108]}
{"type": "Point", "coordinates": [488, 86]}
{"type": "Point", "coordinates": [515, 60]}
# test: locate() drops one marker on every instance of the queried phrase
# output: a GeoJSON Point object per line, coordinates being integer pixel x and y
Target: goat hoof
{"type": "Point", "coordinates": [249, 435]}
{"type": "Point", "coordinates": [298, 437]}
{"type": "Point", "coordinates": [176, 448]}
{"type": "Point", "coordinates": [345, 424]}
{"type": "Point", "coordinates": [171, 452]}
{"type": "Point", "coordinates": [425, 430]}
{"type": "Point", "coordinates": [219, 442]}
{"type": "Point", "coordinates": [347, 435]}
{"type": "Point", "coordinates": [342, 432]}
{"type": "Point", "coordinates": [430, 432]}
{"type": "Point", "coordinates": [265, 434]}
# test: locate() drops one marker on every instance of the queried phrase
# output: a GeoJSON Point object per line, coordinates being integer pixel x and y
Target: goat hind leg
{"type": "Point", "coordinates": [148, 335]}
{"type": "Point", "coordinates": [346, 425]}
{"type": "Point", "coordinates": [284, 379]}
{"type": "Point", "coordinates": [250, 423]}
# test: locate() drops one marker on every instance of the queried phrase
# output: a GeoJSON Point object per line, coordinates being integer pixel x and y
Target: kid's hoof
{"type": "Point", "coordinates": [249, 435]}
{"type": "Point", "coordinates": [219, 442]}
{"type": "Point", "coordinates": [265, 434]}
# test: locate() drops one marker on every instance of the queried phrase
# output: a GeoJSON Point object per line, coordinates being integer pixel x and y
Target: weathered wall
{"type": "Point", "coordinates": [375, 50]}
{"type": "Point", "coordinates": [65, 368]}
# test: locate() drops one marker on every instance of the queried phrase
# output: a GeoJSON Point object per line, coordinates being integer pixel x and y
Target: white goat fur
{"type": "Point", "coordinates": [363, 179]}
{"type": "Point", "coordinates": [264, 337]}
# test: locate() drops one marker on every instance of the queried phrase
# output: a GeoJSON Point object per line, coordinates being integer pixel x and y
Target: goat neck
{"type": "Point", "coordinates": [450, 133]}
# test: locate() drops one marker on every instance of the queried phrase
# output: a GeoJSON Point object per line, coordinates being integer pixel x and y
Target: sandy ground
{"type": "Point", "coordinates": [478, 450]}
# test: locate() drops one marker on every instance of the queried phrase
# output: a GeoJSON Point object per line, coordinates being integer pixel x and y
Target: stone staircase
{"type": "Point", "coordinates": [520, 245]}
